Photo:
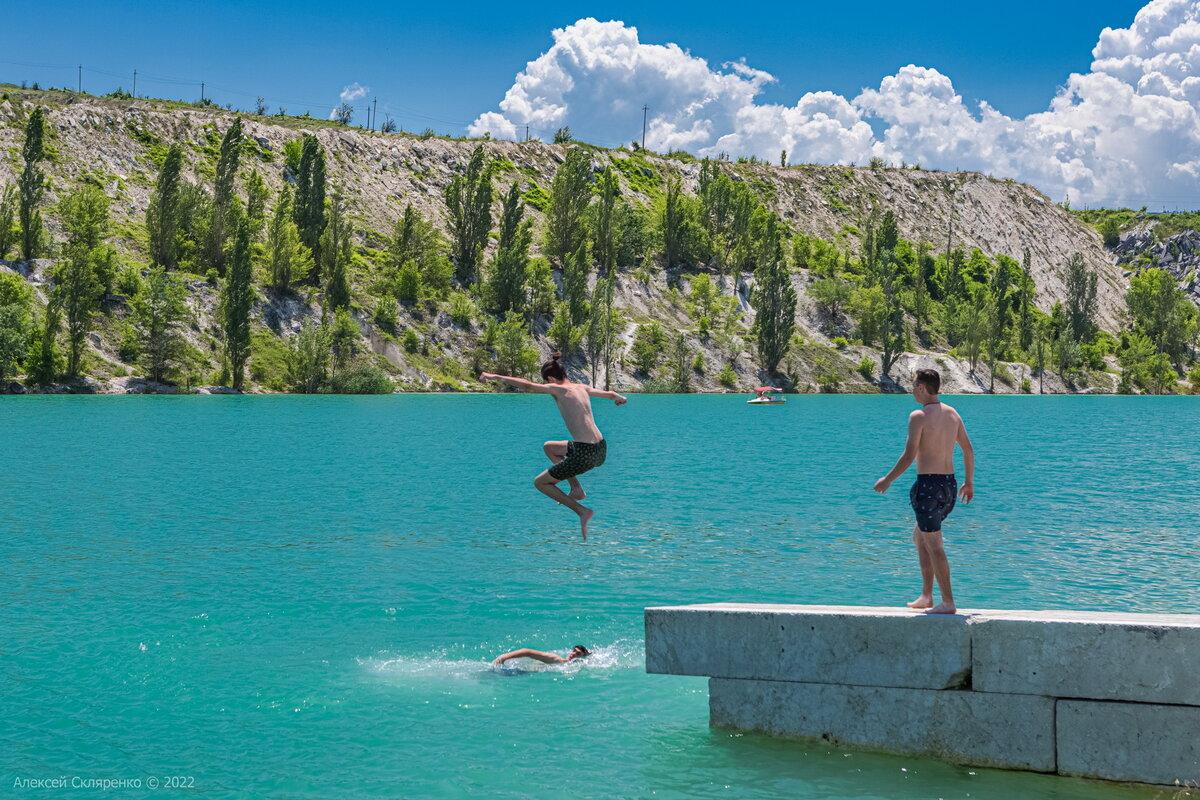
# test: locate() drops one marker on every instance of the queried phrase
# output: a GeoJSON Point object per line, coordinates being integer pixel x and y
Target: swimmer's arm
{"type": "Point", "coordinates": [517, 383]}
{"type": "Point", "coordinates": [536, 655]}
{"type": "Point", "coordinates": [967, 491]}
{"type": "Point", "coordinates": [619, 399]}
{"type": "Point", "coordinates": [907, 457]}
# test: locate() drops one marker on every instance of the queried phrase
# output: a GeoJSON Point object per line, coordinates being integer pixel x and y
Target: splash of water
{"type": "Point", "coordinates": [621, 654]}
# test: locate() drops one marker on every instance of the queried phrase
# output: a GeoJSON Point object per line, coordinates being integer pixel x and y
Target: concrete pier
{"type": "Point", "coordinates": [1113, 696]}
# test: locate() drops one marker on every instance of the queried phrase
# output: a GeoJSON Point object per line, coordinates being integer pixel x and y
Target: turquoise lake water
{"type": "Point", "coordinates": [299, 596]}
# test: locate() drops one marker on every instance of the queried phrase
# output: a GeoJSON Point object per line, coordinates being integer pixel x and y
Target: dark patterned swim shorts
{"type": "Point", "coordinates": [581, 456]}
{"type": "Point", "coordinates": [932, 498]}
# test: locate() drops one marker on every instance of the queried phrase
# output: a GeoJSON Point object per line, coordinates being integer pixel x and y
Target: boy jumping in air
{"type": "Point", "coordinates": [586, 451]}
{"type": "Point", "coordinates": [933, 430]}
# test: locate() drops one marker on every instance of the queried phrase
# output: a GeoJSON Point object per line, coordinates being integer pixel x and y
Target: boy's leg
{"type": "Point", "coordinates": [556, 451]}
{"type": "Point", "coordinates": [941, 570]}
{"type": "Point", "coordinates": [547, 485]}
{"type": "Point", "coordinates": [926, 598]}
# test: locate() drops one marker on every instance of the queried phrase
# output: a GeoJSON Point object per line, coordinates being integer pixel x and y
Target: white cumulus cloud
{"type": "Point", "coordinates": [1127, 132]}
{"type": "Point", "coordinates": [349, 94]}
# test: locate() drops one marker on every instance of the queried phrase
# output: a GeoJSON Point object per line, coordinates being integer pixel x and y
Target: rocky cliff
{"type": "Point", "coordinates": [116, 143]}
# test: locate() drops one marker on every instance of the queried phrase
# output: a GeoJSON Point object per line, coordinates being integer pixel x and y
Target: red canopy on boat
{"type": "Point", "coordinates": [765, 389]}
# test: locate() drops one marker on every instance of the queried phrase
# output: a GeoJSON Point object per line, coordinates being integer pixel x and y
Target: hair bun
{"type": "Point", "coordinates": [555, 356]}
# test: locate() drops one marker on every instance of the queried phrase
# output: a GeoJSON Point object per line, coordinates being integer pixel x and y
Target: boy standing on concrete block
{"type": "Point", "coordinates": [933, 431]}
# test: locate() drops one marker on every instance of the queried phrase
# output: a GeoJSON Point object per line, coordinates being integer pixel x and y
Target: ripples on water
{"type": "Point", "coordinates": [302, 596]}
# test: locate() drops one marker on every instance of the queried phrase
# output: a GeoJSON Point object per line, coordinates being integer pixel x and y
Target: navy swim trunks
{"type": "Point", "coordinates": [932, 498]}
{"type": "Point", "coordinates": [581, 456]}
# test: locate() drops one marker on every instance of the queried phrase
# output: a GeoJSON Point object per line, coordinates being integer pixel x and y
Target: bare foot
{"type": "Point", "coordinates": [585, 516]}
{"type": "Point", "coordinates": [924, 601]}
{"type": "Point", "coordinates": [577, 493]}
{"type": "Point", "coordinates": [943, 608]}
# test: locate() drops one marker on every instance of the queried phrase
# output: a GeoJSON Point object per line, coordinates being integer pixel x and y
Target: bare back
{"type": "Point", "coordinates": [938, 426]}
{"type": "Point", "coordinates": [575, 405]}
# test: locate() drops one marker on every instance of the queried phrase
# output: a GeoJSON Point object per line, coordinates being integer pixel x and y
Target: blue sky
{"type": "Point", "coordinates": [1093, 102]}
{"type": "Point", "coordinates": [449, 61]}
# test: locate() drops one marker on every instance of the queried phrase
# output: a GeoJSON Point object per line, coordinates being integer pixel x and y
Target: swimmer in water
{"type": "Point", "coordinates": [578, 651]}
{"type": "Point", "coordinates": [587, 449]}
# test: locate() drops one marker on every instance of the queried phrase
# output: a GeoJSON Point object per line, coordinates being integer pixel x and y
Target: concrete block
{"type": "Point", "coordinates": [994, 730]}
{"type": "Point", "coordinates": [1148, 658]}
{"type": "Point", "coordinates": [812, 644]}
{"type": "Point", "coordinates": [1129, 741]}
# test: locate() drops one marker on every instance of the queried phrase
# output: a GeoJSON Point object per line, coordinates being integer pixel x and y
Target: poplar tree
{"type": "Point", "coordinates": [575, 283]}
{"type": "Point", "coordinates": [1081, 299]}
{"type": "Point", "coordinates": [512, 256]}
{"type": "Point", "coordinates": [604, 245]}
{"type": "Point", "coordinates": [998, 315]}
{"type": "Point", "coordinates": [774, 299]}
{"type": "Point", "coordinates": [163, 213]}
{"type": "Point", "coordinates": [1025, 294]}
{"type": "Point", "coordinates": [79, 275]}
{"type": "Point", "coordinates": [335, 252]}
{"type": "Point", "coordinates": [469, 205]}
{"type": "Point", "coordinates": [32, 185]}
{"type": "Point", "coordinates": [159, 311]}
{"type": "Point", "coordinates": [287, 257]}
{"type": "Point", "coordinates": [308, 209]}
{"type": "Point", "coordinates": [45, 362]}
{"type": "Point", "coordinates": [257, 195]}
{"type": "Point", "coordinates": [570, 193]}
{"type": "Point", "coordinates": [8, 216]}
{"type": "Point", "coordinates": [601, 324]}
{"type": "Point", "coordinates": [888, 269]}
{"type": "Point", "coordinates": [237, 297]}
{"type": "Point", "coordinates": [222, 199]}
{"type": "Point", "coordinates": [16, 302]}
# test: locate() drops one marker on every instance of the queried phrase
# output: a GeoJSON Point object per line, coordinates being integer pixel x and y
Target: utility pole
{"type": "Point", "coordinates": [81, 78]}
{"type": "Point", "coordinates": [201, 91]}
{"type": "Point", "coordinates": [645, 110]}
{"type": "Point", "coordinates": [527, 133]}
{"type": "Point", "coordinates": [135, 83]}
{"type": "Point", "coordinates": [374, 112]}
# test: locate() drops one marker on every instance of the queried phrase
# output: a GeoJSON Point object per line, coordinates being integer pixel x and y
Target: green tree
{"type": "Point", "coordinates": [892, 331]}
{"type": "Point", "coordinates": [1081, 299]}
{"type": "Point", "coordinates": [257, 195]}
{"type": "Point", "coordinates": [924, 267]}
{"type": "Point", "coordinates": [542, 291]}
{"type": "Point", "coordinates": [680, 231]}
{"type": "Point", "coordinates": [575, 283]}
{"type": "Point", "coordinates": [8, 218]}
{"type": "Point", "coordinates": [729, 210]}
{"type": "Point", "coordinates": [159, 313]}
{"type": "Point", "coordinates": [79, 277]}
{"type": "Point", "coordinates": [308, 207]}
{"type": "Point", "coordinates": [223, 197]}
{"type": "Point", "coordinates": [1026, 290]}
{"type": "Point", "coordinates": [511, 261]}
{"type": "Point", "coordinates": [1160, 309]}
{"type": "Point", "coordinates": [601, 326]}
{"type": "Point", "coordinates": [649, 343]}
{"type": "Point", "coordinates": [1110, 231]}
{"type": "Point", "coordinates": [336, 254]}
{"type": "Point", "coordinates": [16, 304]}
{"type": "Point", "coordinates": [570, 193]}
{"type": "Point", "coordinates": [287, 257]}
{"type": "Point", "coordinates": [681, 365]}
{"type": "Point", "coordinates": [344, 334]}
{"type": "Point", "coordinates": [832, 296]}
{"type": "Point", "coordinates": [32, 184]}
{"type": "Point", "coordinates": [416, 241]}
{"type": "Point", "coordinates": [774, 299]}
{"type": "Point", "coordinates": [307, 368]}
{"type": "Point", "coordinates": [974, 323]}
{"type": "Point", "coordinates": [45, 362]}
{"type": "Point", "coordinates": [999, 314]}
{"type": "Point", "coordinates": [407, 287]}
{"type": "Point", "coordinates": [235, 302]}
{"type": "Point", "coordinates": [604, 224]}
{"type": "Point", "coordinates": [515, 353]}
{"type": "Point", "coordinates": [868, 307]}
{"type": "Point", "coordinates": [163, 213]}
{"type": "Point", "coordinates": [563, 333]}
{"type": "Point", "coordinates": [469, 206]}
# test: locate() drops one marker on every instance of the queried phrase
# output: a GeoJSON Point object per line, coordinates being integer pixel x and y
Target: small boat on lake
{"type": "Point", "coordinates": [765, 396]}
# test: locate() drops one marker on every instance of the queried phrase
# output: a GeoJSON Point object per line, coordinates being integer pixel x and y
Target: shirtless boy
{"type": "Point", "coordinates": [586, 451]}
{"type": "Point", "coordinates": [933, 431]}
{"type": "Point", "coordinates": [578, 651]}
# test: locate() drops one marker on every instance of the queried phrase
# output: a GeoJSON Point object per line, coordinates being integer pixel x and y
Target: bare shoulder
{"type": "Point", "coordinates": [953, 412]}
{"type": "Point", "coordinates": [917, 416]}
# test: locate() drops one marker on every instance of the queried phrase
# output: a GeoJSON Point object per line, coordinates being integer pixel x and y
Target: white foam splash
{"type": "Point", "coordinates": [618, 655]}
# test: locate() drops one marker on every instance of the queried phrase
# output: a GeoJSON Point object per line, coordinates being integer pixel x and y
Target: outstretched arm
{"type": "Point", "coordinates": [967, 490]}
{"type": "Point", "coordinates": [536, 655]}
{"type": "Point", "coordinates": [619, 399]}
{"type": "Point", "coordinates": [907, 457]}
{"type": "Point", "coordinates": [519, 383]}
